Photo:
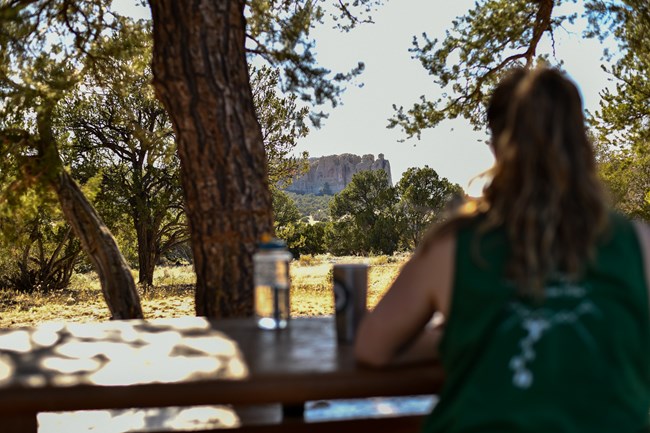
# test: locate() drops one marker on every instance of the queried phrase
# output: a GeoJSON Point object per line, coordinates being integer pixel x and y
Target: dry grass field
{"type": "Point", "coordinates": [172, 294]}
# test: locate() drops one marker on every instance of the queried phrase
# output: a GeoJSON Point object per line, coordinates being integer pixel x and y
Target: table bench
{"type": "Point", "coordinates": [194, 361]}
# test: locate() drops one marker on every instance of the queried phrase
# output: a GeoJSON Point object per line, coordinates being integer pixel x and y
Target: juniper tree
{"type": "Point", "coordinates": [622, 123]}
{"type": "Point", "coordinates": [200, 65]}
{"type": "Point", "coordinates": [115, 116]}
{"type": "Point", "coordinates": [44, 46]}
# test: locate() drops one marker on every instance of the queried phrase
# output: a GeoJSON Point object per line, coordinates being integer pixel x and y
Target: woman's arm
{"type": "Point", "coordinates": [423, 348]}
{"type": "Point", "coordinates": [395, 329]}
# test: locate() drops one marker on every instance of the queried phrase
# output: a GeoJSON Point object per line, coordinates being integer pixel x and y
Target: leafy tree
{"type": "Point", "coordinates": [626, 172]}
{"type": "Point", "coordinates": [303, 238]}
{"type": "Point", "coordinates": [493, 37]}
{"type": "Point", "coordinates": [285, 210]}
{"type": "Point", "coordinates": [622, 124]}
{"type": "Point", "coordinates": [117, 54]}
{"type": "Point", "coordinates": [624, 115]}
{"type": "Point", "coordinates": [314, 206]}
{"type": "Point", "coordinates": [37, 249]}
{"type": "Point", "coordinates": [364, 215]}
{"type": "Point", "coordinates": [497, 35]}
{"type": "Point", "coordinates": [44, 45]}
{"type": "Point", "coordinates": [201, 76]}
{"type": "Point", "coordinates": [141, 169]}
{"type": "Point", "coordinates": [314, 235]}
{"type": "Point", "coordinates": [42, 254]}
{"type": "Point", "coordinates": [116, 117]}
{"type": "Point", "coordinates": [282, 123]}
{"type": "Point", "coordinates": [342, 238]}
{"type": "Point", "coordinates": [423, 197]}
{"type": "Point", "coordinates": [210, 103]}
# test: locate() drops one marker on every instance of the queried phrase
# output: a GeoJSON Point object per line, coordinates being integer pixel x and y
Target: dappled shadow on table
{"type": "Point", "coordinates": [112, 353]}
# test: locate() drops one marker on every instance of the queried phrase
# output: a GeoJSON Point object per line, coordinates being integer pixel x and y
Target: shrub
{"type": "Point", "coordinates": [302, 238]}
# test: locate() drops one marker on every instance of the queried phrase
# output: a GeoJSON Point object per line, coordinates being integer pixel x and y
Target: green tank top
{"type": "Point", "coordinates": [577, 362]}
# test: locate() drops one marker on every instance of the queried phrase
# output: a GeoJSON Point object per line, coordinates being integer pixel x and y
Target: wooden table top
{"type": "Point", "coordinates": [188, 361]}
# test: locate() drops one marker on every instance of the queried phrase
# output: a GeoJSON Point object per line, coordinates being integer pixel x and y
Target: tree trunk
{"type": "Point", "coordinates": [201, 76]}
{"type": "Point", "coordinates": [116, 280]}
{"type": "Point", "coordinates": [147, 247]}
{"type": "Point", "coordinates": [96, 240]}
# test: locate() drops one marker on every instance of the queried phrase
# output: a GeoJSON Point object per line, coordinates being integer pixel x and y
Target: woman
{"type": "Point", "coordinates": [543, 290]}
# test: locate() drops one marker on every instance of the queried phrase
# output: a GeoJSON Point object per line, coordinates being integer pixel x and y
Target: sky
{"type": "Point", "coordinates": [391, 76]}
{"type": "Point", "coordinates": [453, 148]}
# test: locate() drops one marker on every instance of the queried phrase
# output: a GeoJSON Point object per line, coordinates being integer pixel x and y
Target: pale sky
{"type": "Point", "coordinates": [358, 126]}
{"type": "Point", "coordinates": [453, 149]}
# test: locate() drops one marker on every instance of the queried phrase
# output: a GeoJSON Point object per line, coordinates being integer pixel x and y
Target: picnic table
{"type": "Point", "coordinates": [185, 362]}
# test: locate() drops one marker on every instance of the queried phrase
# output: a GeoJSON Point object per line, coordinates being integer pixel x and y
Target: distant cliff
{"type": "Point", "coordinates": [330, 174]}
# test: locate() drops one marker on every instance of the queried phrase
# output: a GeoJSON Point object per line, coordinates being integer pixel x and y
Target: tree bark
{"type": "Point", "coordinates": [96, 239]}
{"type": "Point", "coordinates": [116, 280]}
{"type": "Point", "coordinates": [147, 249]}
{"type": "Point", "coordinates": [201, 76]}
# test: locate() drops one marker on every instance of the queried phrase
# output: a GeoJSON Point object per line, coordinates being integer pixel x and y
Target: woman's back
{"type": "Point", "coordinates": [542, 288]}
{"type": "Point", "coordinates": [576, 360]}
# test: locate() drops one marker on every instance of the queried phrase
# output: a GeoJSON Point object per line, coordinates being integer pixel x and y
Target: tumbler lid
{"type": "Point", "coordinates": [270, 243]}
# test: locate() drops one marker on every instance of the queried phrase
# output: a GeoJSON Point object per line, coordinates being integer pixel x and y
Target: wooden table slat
{"type": "Point", "coordinates": [188, 361]}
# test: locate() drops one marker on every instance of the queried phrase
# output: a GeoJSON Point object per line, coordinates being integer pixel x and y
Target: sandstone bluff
{"type": "Point", "coordinates": [330, 174]}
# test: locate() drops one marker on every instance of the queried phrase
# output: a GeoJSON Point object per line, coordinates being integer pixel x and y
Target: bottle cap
{"type": "Point", "coordinates": [270, 243]}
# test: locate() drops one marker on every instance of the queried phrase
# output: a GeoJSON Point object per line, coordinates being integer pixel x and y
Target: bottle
{"type": "Point", "coordinates": [271, 275]}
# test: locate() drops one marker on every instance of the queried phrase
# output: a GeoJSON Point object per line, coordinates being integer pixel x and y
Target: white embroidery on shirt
{"type": "Point", "coordinates": [539, 321]}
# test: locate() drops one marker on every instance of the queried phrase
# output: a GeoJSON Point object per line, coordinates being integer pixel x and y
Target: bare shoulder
{"type": "Point", "coordinates": [438, 259]}
{"type": "Point", "coordinates": [441, 245]}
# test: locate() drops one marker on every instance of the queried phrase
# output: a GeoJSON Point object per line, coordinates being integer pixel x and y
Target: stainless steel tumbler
{"type": "Point", "coordinates": [350, 291]}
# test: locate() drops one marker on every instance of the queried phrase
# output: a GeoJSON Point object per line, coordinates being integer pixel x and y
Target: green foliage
{"type": "Point", "coordinates": [364, 215]}
{"type": "Point", "coordinates": [110, 125]}
{"type": "Point", "coordinates": [622, 124]}
{"type": "Point", "coordinates": [493, 37]}
{"type": "Point", "coordinates": [314, 206]}
{"type": "Point", "coordinates": [303, 238]}
{"type": "Point", "coordinates": [42, 48]}
{"type": "Point", "coordinates": [285, 211]}
{"type": "Point", "coordinates": [282, 123]}
{"type": "Point", "coordinates": [342, 238]}
{"type": "Point", "coordinates": [121, 130]}
{"type": "Point", "coordinates": [423, 197]}
{"type": "Point", "coordinates": [624, 115]}
{"type": "Point", "coordinates": [41, 253]}
{"type": "Point", "coordinates": [278, 32]}
{"type": "Point", "coordinates": [370, 217]}
{"type": "Point", "coordinates": [51, 48]}
{"type": "Point", "coordinates": [17, 203]}
{"type": "Point", "coordinates": [626, 172]}
{"type": "Point", "coordinates": [497, 35]}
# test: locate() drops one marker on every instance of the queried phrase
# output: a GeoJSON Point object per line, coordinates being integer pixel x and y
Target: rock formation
{"type": "Point", "coordinates": [330, 174]}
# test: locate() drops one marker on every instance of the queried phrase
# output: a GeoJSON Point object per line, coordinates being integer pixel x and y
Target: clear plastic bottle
{"type": "Point", "coordinates": [272, 284]}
